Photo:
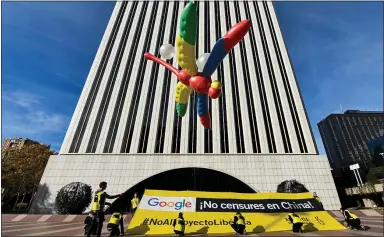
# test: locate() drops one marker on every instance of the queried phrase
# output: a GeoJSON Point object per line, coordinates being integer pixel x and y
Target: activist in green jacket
{"type": "Point", "coordinates": [317, 198]}
{"type": "Point", "coordinates": [99, 202]}
{"type": "Point", "coordinates": [296, 222]}
{"type": "Point", "coordinates": [179, 225]}
{"type": "Point", "coordinates": [238, 223]}
{"type": "Point", "coordinates": [352, 220]}
{"type": "Point", "coordinates": [115, 222]}
{"type": "Point", "coordinates": [88, 223]}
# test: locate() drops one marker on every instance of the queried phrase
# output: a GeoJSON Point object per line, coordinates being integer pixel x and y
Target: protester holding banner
{"type": "Point", "coordinates": [114, 222]}
{"type": "Point", "coordinates": [238, 223]}
{"type": "Point", "coordinates": [99, 202]}
{"type": "Point", "coordinates": [179, 225]}
{"type": "Point", "coordinates": [296, 222]}
{"type": "Point", "coordinates": [88, 223]}
{"type": "Point", "coordinates": [134, 203]}
{"type": "Point", "coordinates": [213, 212]}
{"type": "Point", "coordinates": [317, 198]}
{"type": "Point", "coordinates": [352, 220]}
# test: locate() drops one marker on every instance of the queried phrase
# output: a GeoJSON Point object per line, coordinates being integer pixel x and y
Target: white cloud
{"type": "Point", "coordinates": [21, 98]}
{"type": "Point", "coordinates": [26, 116]}
{"type": "Point", "coordinates": [338, 60]}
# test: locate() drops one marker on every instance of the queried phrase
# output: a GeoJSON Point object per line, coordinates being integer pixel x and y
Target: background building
{"type": "Point", "coordinates": [125, 129]}
{"type": "Point", "coordinates": [17, 142]}
{"type": "Point", "coordinates": [376, 147]}
{"type": "Point", "coordinates": [350, 138]}
{"type": "Point", "coordinates": [347, 136]}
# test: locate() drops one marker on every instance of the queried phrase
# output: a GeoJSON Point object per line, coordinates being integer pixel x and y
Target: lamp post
{"type": "Point", "coordinates": [355, 170]}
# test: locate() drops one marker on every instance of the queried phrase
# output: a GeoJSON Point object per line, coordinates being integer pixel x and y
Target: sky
{"type": "Point", "coordinates": [336, 50]}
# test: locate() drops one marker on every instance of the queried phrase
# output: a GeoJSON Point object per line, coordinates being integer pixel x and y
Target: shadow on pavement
{"type": "Point", "coordinates": [202, 231]}
{"type": "Point", "coordinates": [309, 228]}
{"type": "Point", "coordinates": [138, 230]}
{"type": "Point", "coordinates": [258, 229]}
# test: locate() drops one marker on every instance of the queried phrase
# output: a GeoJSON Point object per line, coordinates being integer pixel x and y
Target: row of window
{"type": "Point", "coordinates": [85, 114]}
{"type": "Point", "coordinates": [235, 75]}
{"type": "Point", "coordinates": [347, 137]}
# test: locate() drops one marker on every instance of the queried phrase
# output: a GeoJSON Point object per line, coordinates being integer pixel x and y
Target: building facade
{"type": "Point", "coordinates": [126, 119]}
{"type": "Point", "coordinates": [347, 136]}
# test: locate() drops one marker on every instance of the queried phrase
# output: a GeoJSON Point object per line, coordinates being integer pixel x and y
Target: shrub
{"type": "Point", "coordinates": [73, 198]}
{"type": "Point", "coordinates": [291, 186]}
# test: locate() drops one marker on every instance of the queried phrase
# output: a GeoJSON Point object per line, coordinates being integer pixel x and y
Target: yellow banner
{"type": "Point", "coordinates": [212, 213]}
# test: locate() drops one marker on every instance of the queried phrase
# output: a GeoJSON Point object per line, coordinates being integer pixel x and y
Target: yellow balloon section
{"type": "Point", "coordinates": [216, 84]}
{"type": "Point", "coordinates": [186, 56]}
{"type": "Point", "coordinates": [182, 93]}
{"type": "Point", "coordinates": [186, 59]}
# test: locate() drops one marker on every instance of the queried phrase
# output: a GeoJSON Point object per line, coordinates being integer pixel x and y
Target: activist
{"type": "Point", "coordinates": [317, 198]}
{"type": "Point", "coordinates": [88, 223]}
{"type": "Point", "coordinates": [134, 203]}
{"type": "Point", "coordinates": [98, 208]}
{"type": "Point", "coordinates": [238, 223]}
{"type": "Point", "coordinates": [91, 222]}
{"type": "Point", "coordinates": [114, 222]}
{"type": "Point", "coordinates": [352, 220]}
{"type": "Point", "coordinates": [179, 225]}
{"type": "Point", "coordinates": [296, 222]}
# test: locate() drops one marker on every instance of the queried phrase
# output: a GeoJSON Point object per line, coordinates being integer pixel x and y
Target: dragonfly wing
{"type": "Point", "coordinates": [186, 40]}
{"type": "Point", "coordinates": [224, 45]}
{"type": "Point", "coordinates": [216, 56]}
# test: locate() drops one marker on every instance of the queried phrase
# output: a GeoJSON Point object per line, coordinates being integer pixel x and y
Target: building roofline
{"type": "Point", "coordinates": [352, 111]}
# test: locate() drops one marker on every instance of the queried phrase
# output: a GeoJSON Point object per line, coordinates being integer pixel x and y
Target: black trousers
{"type": "Point", "coordinates": [179, 233]}
{"type": "Point", "coordinates": [98, 219]}
{"type": "Point", "coordinates": [133, 211]}
{"type": "Point", "coordinates": [113, 229]}
{"type": "Point", "coordinates": [354, 223]}
{"type": "Point", "coordinates": [238, 228]}
{"type": "Point", "coordinates": [88, 222]}
{"type": "Point", "coordinates": [297, 227]}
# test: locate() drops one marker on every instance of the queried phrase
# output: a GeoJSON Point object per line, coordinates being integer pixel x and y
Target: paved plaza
{"type": "Point", "coordinates": [74, 227]}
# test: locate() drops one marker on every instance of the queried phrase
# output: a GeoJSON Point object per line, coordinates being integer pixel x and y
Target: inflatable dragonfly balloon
{"type": "Point", "coordinates": [190, 77]}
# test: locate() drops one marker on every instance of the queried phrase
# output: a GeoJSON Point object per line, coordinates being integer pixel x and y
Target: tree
{"type": "Point", "coordinates": [373, 176]}
{"type": "Point", "coordinates": [291, 186]}
{"type": "Point", "coordinates": [22, 169]}
{"type": "Point", "coordinates": [73, 198]}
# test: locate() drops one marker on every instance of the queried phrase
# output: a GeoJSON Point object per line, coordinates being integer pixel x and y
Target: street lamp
{"type": "Point", "coordinates": [355, 170]}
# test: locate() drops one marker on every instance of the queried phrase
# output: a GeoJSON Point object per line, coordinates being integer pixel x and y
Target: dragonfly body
{"type": "Point", "coordinates": [190, 79]}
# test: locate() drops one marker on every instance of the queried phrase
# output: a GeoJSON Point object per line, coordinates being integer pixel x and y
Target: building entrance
{"type": "Point", "coordinates": [192, 179]}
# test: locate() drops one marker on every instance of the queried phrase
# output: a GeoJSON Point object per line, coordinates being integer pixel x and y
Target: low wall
{"type": "Point", "coordinates": [261, 172]}
{"type": "Point", "coordinates": [365, 189]}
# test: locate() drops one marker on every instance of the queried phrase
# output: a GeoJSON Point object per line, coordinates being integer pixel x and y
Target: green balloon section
{"type": "Point", "coordinates": [188, 26]}
{"type": "Point", "coordinates": [181, 109]}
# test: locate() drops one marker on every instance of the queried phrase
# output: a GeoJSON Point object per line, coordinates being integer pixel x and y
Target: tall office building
{"type": "Point", "coordinates": [346, 137]}
{"type": "Point", "coordinates": [125, 129]}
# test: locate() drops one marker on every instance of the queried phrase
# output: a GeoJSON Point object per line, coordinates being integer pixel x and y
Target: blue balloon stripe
{"type": "Point", "coordinates": [216, 56]}
{"type": "Point", "coordinates": [202, 104]}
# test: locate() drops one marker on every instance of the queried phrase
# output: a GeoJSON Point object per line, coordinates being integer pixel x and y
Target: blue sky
{"type": "Point", "coordinates": [48, 48]}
